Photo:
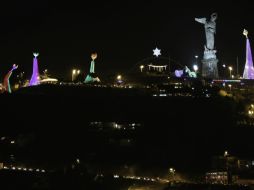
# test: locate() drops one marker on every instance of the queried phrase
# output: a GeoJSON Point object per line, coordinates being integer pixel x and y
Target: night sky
{"type": "Point", "coordinates": [121, 32]}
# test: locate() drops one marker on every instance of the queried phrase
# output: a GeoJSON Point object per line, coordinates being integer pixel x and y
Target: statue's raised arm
{"type": "Point", "coordinates": [210, 30]}
{"type": "Point", "coordinates": [201, 20]}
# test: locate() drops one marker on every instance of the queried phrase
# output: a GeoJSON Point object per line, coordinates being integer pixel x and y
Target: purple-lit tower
{"type": "Point", "coordinates": [35, 79]}
{"type": "Point", "coordinates": [248, 69]}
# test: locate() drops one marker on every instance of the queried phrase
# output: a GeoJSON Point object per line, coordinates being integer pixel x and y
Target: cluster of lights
{"type": "Point", "coordinates": [217, 177]}
{"type": "Point", "coordinates": [175, 95]}
{"type": "Point", "coordinates": [172, 170]}
{"type": "Point", "coordinates": [75, 72]}
{"type": "Point", "coordinates": [158, 67]}
{"type": "Point", "coordinates": [116, 126]}
{"type": "Point", "coordinates": [251, 110]}
{"type": "Point", "coordinates": [24, 169]}
{"type": "Point", "coordinates": [116, 176]}
{"type": "Point", "coordinates": [9, 141]}
{"type": "Point", "coordinates": [130, 126]}
{"type": "Point", "coordinates": [225, 81]}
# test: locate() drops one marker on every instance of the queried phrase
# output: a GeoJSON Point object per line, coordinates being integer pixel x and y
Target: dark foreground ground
{"type": "Point", "coordinates": [52, 128]}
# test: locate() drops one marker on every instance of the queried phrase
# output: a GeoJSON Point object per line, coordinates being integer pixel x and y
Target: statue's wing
{"type": "Point", "coordinates": [201, 20]}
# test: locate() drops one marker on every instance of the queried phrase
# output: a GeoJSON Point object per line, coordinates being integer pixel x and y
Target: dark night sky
{"type": "Point", "coordinates": [122, 32]}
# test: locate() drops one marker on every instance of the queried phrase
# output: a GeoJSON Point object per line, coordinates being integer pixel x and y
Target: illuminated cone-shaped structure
{"type": "Point", "coordinates": [248, 69]}
{"type": "Point", "coordinates": [91, 77]}
{"type": "Point", "coordinates": [7, 85]}
{"type": "Point", "coordinates": [35, 79]}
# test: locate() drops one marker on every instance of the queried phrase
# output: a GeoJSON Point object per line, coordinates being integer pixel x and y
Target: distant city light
{"type": "Point", "coordinates": [116, 176]}
{"type": "Point", "coordinates": [141, 68]}
{"type": "Point", "coordinates": [75, 72]}
{"type": "Point", "coordinates": [195, 68]}
{"type": "Point", "coordinates": [230, 86]}
{"type": "Point", "coordinates": [119, 77]}
{"type": "Point", "coordinates": [250, 112]}
{"type": "Point", "coordinates": [230, 70]}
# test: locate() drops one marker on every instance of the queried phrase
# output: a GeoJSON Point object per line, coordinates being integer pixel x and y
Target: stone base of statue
{"type": "Point", "coordinates": [209, 68]}
{"type": "Point", "coordinates": [209, 64]}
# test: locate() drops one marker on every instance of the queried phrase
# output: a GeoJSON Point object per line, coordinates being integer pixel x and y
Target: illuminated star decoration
{"type": "Point", "coordinates": [156, 52]}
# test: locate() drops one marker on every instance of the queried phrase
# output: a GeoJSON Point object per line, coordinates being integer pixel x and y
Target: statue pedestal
{"type": "Point", "coordinates": [209, 68]}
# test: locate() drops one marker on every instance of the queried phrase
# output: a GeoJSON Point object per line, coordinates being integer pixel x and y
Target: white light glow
{"type": "Point", "coordinates": [36, 54]}
{"type": "Point", "coordinates": [156, 52]}
{"type": "Point", "coordinates": [119, 77]}
{"type": "Point", "coordinates": [195, 67]}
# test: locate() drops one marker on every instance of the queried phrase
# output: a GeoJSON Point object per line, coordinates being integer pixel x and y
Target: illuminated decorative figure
{"type": "Point", "coordinates": [35, 79]}
{"type": "Point", "coordinates": [7, 85]}
{"type": "Point", "coordinates": [91, 77]}
{"type": "Point", "coordinates": [186, 72]}
{"type": "Point", "coordinates": [248, 69]}
{"type": "Point", "coordinates": [209, 67]}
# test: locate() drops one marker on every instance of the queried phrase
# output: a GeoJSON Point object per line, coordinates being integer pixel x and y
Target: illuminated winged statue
{"type": "Point", "coordinates": [210, 30]}
{"type": "Point", "coordinates": [7, 85]}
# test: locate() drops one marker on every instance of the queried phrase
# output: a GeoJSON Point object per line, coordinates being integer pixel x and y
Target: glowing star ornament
{"type": "Point", "coordinates": [157, 52]}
